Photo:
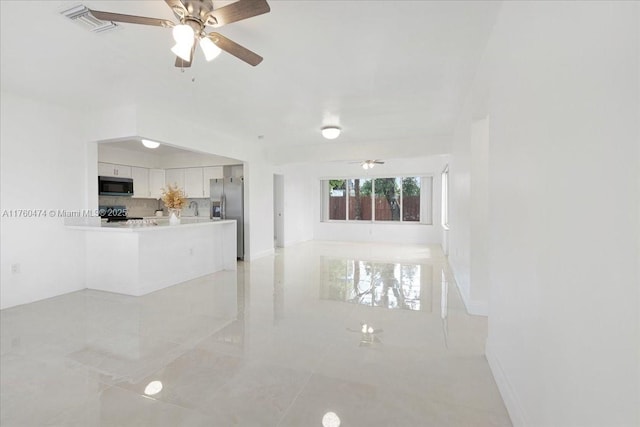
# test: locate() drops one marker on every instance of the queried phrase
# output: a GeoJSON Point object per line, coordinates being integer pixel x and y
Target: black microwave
{"type": "Point", "coordinates": [112, 186]}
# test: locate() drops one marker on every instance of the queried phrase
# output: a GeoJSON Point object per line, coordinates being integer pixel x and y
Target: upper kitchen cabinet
{"type": "Point", "coordinates": [156, 182]}
{"type": "Point", "coordinates": [209, 173]}
{"type": "Point", "coordinates": [109, 169]}
{"type": "Point", "coordinates": [193, 183]}
{"type": "Point", "coordinates": [140, 182]}
{"type": "Point", "coordinates": [175, 177]}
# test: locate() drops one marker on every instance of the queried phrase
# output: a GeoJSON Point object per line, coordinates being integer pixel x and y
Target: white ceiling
{"type": "Point", "coordinates": [162, 150]}
{"type": "Point", "coordinates": [382, 70]}
{"type": "Point", "coordinates": [135, 145]}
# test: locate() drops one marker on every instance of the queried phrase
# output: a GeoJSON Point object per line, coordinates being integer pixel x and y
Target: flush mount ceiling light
{"type": "Point", "coordinates": [330, 419]}
{"type": "Point", "coordinates": [331, 132]}
{"type": "Point", "coordinates": [150, 144]}
{"type": "Point", "coordinates": [154, 387]}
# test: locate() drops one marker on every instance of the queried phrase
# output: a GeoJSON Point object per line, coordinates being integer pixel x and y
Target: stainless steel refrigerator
{"type": "Point", "coordinates": [227, 202]}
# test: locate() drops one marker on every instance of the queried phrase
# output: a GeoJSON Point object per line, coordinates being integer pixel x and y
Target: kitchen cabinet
{"type": "Point", "coordinates": [140, 182]}
{"type": "Point", "coordinates": [156, 182]}
{"type": "Point", "coordinates": [149, 183]}
{"type": "Point", "coordinates": [209, 173]}
{"type": "Point", "coordinates": [110, 169]}
{"type": "Point", "coordinates": [193, 185]}
{"type": "Point", "coordinates": [174, 177]}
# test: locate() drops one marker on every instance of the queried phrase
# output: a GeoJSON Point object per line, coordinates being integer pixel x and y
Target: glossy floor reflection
{"type": "Point", "coordinates": [377, 284]}
{"type": "Point", "coordinates": [322, 334]}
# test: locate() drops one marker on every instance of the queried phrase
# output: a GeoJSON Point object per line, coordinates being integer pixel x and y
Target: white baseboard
{"type": "Point", "coordinates": [476, 308]}
{"type": "Point", "coordinates": [294, 242]}
{"type": "Point", "coordinates": [268, 252]}
{"type": "Point", "coordinates": [511, 401]}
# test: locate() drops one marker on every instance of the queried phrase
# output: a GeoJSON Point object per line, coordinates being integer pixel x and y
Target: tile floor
{"type": "Point", "coordinates": [322, 334]}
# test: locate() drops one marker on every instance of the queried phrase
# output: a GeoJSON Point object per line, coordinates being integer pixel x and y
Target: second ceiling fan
{"type": "Point", "coordinates": [369, 164]}
{"type": "Point", "coordinates": [194, 17]}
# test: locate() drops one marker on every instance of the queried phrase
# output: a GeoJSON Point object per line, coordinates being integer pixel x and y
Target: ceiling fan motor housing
{"type": "Point", "coordinates": [200, 11]}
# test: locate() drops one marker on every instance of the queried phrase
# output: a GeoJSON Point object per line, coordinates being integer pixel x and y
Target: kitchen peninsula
{"type": "Point", "coordinates": [137, 260]}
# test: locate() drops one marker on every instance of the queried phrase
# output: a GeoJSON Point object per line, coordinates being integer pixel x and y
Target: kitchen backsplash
{"type": "Point", "coordinates": [147, 207]}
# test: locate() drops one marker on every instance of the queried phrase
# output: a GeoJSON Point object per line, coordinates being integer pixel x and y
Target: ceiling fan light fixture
{"type": "Point", "coordinates": [209, 48]}
{"type": "Point", "coordinates": [183, 51]}
{"type": "Point", "coordinates": [368, 165]}
{"type": "Point", "coordinates": [331, 132]}
{"type": "Point", "coordinates": [150, 144]}
{"type": "Point", "coordinates": [183, 35]}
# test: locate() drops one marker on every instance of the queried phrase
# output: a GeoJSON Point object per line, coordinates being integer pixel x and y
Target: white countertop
{"type": "Point", "coordinates": [164, 225]}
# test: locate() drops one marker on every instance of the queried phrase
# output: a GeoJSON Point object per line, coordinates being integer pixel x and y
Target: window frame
{"type": "Point", "coordinates": [426, 199]}
{"type": "Point", "coordinates": [444, 197]}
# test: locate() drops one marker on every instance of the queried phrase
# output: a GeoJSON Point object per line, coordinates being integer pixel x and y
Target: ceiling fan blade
{"type": "Point", "coordinates": [177, 7]}
{"type": "Point", "coordinates": [242, 9]}
{"type": "Point", "coordinates": [181, 63]}
{"type": "Point", "coordinates": [131, 19]}
{"type": "Point", "coordinates": [378, 162]}
{"type": "Point", "coordinates": [235, 49]}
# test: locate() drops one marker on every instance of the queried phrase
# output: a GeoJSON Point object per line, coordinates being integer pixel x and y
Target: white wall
{"type": "Point", "coordinates": [468, 219]}
{"type": "Point", "coordinates": [303, 202]}
{"type": "Point", "coordinates": [299, 203]}
{"type": "Point", "coordinates": [459, 233]}
{"type": "Point", "coordinates": [43, 152]}
{"type": "Point", "coordinates": [563, 210]}
{"type": "Point", "coordinates": [258, 206]}
{"type": "Point", "coordinates": [479, 235]}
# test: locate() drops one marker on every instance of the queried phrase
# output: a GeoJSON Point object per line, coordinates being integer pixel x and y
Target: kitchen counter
{"type": "Point", "coordinates": [139, 259]}
{"type": "Point", "coordinates": [162, 224]}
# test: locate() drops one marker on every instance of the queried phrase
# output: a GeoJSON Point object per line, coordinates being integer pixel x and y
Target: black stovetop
{"type": "Point", "coordinates": [115, 213]}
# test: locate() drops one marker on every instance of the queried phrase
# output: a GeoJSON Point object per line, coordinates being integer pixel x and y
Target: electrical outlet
{"type": "Point", "coordinates": [15, 268]}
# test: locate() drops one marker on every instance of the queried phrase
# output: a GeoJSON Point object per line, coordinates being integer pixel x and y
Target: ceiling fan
{"type": "Point", "coordinates": [194, 16]}
{"type": "Point", "coordinates": [368, 164]}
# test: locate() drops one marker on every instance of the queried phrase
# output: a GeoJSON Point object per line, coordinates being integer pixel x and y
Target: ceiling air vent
{"type": "Point", "coordinates": [82, 15]}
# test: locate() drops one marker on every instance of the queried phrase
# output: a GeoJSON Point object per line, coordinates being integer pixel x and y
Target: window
{"type": "Point", "coordinates": [388, 199]}
{"type": "Point", "coordinates": [360, 199]}
{"type": "Point", "coordinates": [337, 199]}
{"type": "Point", "coordinates": [411, 198]}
